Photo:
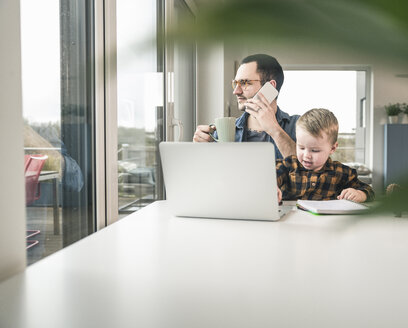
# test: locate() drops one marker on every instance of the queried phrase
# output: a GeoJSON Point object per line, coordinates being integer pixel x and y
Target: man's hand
{"type": "Point", "coordinates": [202, 133]}
{"type": "Point", "coordinates": [354, 195]}
{"type": "Point", "coordinates": [264, 113]}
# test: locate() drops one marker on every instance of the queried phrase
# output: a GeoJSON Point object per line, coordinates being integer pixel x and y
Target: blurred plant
{"type": "Point", "coordinates": [404, 108]}
{"type": "Point", "coordinates": [394, 201]}
{"type": "Point", "coordinates": [377, 27]}
{"type": "Point", "coordinates": [393, 109]}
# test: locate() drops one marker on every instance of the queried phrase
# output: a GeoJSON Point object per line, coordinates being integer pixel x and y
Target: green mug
{"type": "Point", "coordinates": [225, 127]}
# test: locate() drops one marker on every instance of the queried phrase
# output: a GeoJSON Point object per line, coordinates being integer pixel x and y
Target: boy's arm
{"type": "Point", "coordinates": [281, 173]}
{"type": "Point", "coordinates": [284, 168]}
{"type": "Point", "coordinates": [355, 183]}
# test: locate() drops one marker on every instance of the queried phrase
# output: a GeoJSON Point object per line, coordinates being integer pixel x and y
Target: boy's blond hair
{"type": "Point", "coordinates": [319, 120]}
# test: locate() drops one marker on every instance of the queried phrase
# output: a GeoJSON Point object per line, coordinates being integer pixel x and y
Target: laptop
{"type": "Point", "coordinates": [221, 180]}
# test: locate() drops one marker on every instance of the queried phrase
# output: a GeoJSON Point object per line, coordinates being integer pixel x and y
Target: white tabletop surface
{"type": "Point", "coordinates": [151, 269]}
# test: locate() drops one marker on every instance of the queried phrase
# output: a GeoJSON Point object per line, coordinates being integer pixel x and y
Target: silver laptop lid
{"type": "Point", "coordinates": [221, 180]}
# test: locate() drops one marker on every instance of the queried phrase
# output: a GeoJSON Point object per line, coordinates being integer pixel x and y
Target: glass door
{"type": "Point", "coordinates": [156, 96]}
{"type": "Point", "coordinates": [140, 102]}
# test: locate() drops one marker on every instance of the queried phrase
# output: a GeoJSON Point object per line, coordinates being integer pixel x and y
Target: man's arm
{"type": "Point", "coordinates": [282, 140]}
{"type": "Point", "coordinates": [265, 114]}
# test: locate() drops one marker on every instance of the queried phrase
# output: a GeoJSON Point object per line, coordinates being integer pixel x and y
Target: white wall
{"type": "Point", "coordinates": [210, 82]}
{"type": "Point", "coordinates": [387, 88]}
{"type": "Point", "coordinates": [12, 205]}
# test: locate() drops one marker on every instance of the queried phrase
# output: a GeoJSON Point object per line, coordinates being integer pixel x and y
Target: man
{"type": "Point", "coordinates": [47, 138]}
{"type": "Point", "coordinates": [261, 121]}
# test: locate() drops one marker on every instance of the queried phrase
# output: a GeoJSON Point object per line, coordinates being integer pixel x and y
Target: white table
{"type": "Point", "coordinates": [154, 270]}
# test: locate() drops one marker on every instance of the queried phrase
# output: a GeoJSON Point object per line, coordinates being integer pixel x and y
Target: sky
{"type": "Point", "coordinates": [40, 60]}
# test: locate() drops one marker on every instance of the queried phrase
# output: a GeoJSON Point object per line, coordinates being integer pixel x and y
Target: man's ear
{"type": "Point", "coordinates": [273, 82]}
{"type": "Point", "coordinates": [334, 147]}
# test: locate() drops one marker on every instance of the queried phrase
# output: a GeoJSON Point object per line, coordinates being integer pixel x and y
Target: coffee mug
{"type": "Point", "coordinates": [225, 129]}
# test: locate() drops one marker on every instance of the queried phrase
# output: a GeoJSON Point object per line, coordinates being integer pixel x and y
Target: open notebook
{"type": "Point", "coordinates": [340, 206]}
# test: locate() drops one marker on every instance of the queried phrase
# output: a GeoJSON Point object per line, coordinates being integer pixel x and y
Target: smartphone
{"type": "Point", "coordinates": [269, 92]}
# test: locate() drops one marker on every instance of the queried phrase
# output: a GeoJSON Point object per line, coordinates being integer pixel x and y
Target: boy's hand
{"type": "Point", "coordinates": [279, 195]}
{"type": "Point", "coordinates": [354, 195]}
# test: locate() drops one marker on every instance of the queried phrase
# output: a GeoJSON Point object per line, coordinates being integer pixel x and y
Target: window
{"type": "Point", "coordinates": [344, 92]}
{"type": "Point", "coordinates": [58, 110]}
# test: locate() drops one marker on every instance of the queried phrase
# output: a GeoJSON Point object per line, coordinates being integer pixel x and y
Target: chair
{"type": "Point", "coordinates": [27, 160]}
{"type": "Point", "coordinates": [33, 165]}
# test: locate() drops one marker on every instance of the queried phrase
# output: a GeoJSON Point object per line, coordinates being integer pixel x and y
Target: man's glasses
{"type": "Point", "coordinates": [242, 83]}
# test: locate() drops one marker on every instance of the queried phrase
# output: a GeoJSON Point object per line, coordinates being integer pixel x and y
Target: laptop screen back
{"type": "Point", "coordinates": [221, 180]}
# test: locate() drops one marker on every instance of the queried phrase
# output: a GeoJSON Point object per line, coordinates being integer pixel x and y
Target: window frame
{"type": "Point", "coordinates": [105, 120]}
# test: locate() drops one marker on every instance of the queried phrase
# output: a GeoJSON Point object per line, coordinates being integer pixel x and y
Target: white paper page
{"type": "Point", "coordinates": [340, 205]}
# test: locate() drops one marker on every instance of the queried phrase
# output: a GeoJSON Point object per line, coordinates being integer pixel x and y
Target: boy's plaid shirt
{"type": "Point", "coordinates": [296, 182]}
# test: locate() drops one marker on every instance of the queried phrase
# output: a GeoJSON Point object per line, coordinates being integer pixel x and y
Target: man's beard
{"type": "Point", "coordinates": [241, 107]}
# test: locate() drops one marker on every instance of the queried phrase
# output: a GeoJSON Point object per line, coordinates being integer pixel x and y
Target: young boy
{"type": "Point", "coordinates": [311, 174]}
